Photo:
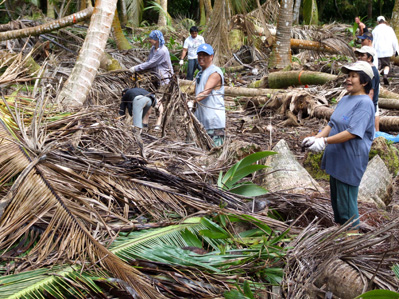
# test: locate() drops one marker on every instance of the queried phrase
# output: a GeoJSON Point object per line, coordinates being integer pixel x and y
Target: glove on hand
{"type": "Point", "coordinates": [132, 70]}
{"type": "Point", "coordinates": [318, 145]}
{"type": "Point", "coordinates": [181, 62]}
{"type": "Point", "coordinates": [308, 141]}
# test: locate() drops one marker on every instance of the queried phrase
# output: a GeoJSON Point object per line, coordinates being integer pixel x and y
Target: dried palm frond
{"type": "Point", "coordinates": [315, 250]}
{"type": "Point", "coordinates": [269, 10]}
{"type": "Point", "coordinates": [179, 118]}
{"type": "Point", "coordinates": [33, 201]}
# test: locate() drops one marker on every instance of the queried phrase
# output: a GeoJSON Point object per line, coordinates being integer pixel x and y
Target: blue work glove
{"type": "Point", "coordinates": [318, 146]}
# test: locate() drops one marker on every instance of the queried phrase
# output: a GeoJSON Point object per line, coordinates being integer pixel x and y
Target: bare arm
{"type": "Point", "coordinates": [183, 54]}
{"type": "Point", "coordinates": [214, 82]}
{"type": "Point", "coordinates": [337, 138]}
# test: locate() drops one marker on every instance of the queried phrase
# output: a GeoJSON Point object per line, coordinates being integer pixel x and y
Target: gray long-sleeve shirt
{"type": "Point", "coordinates": [159, 62]}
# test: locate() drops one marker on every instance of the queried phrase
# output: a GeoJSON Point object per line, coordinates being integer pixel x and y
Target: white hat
{"type": "Point", "coordinates": [367, 50]}
{"type": "Point", "coordinates": [381, 18]}
{"type": "Point", "coordinates": [359, 66]}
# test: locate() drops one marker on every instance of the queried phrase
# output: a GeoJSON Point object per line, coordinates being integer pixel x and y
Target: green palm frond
{"type": "Point", "coordinates": [59, 282]}
{"type": "Point", "coordinates": [134, 243]}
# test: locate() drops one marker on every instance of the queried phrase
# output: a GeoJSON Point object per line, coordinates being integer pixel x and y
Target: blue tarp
{"type": "Point", "coordinates": [387, 136]}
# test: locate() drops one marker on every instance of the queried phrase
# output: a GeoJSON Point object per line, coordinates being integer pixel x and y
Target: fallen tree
{"type": "Point", "coordinates": [48, 27]}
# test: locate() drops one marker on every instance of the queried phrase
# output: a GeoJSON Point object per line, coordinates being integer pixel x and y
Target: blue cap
{"type": "Point", "coordinates": [366, 35]}
{"type": "Point", "coordinates": [206, 48]}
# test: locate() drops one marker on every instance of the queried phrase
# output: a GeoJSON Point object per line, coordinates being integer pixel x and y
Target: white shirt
{"type": "Point", "coordinates": [192, 45]}
{"type": "Point", "coordinates": [385, 41]}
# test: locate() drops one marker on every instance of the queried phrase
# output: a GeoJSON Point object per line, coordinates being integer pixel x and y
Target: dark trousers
{"type": "Point", "coordinates": [192, 66]}
{"type": "Point", "coordinates": [344, 202]}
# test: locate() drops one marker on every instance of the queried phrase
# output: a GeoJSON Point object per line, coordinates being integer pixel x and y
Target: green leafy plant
{"type": "Point", "coordinates": [230, 180]}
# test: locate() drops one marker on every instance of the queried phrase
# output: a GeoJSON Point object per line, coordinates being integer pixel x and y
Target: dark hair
{"type": "Point", "coordinates": [364, 78]}
{"type": "Point", "coordinates": [193, 29]}
{"type": "Point", "coordinates": [369, 55]}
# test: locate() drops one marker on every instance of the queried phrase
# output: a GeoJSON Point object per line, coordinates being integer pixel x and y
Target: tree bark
{"type": "Point", "coordinates": [281, 55]}
{"type": "Point", "coordinates": [79, 82]}
{"type": "Point", "coordinates": [48, 27]}
{"type": "Point", "coordinates": [189, 87]}
{"type": "Point", "coordinates": [123, 12]}
{"type": "Point", "coordinates": [202, 12]}
{"type": "Point", "coordinates": [121, 42]}
{"type": "Point", "coordinates": [395, 18]}
{"type": "Point", "coordinates": [163, 14]}
{"type": "Point", "coordinates": [297, 7]}
{"type": "Point", "coordinates": [208, 9]}
{"type": "Point", "coordinates": [295, 78]}
{"type": "Point", "coordinates": [311, 45]}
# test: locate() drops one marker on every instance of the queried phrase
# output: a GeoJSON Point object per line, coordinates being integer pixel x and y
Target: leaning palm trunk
{"type": "Point", "coordinates": [281, 55]}
{"type": "Point", "coordinates": [48, 27]}
{"type": "Point", "coordinates": [79, 83]}
{"type": "Point", "coordinates": [121, 41]}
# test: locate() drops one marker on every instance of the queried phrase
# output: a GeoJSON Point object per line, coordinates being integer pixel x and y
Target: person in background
{"type": "Point", "coordinates": [367, 40]}
{"type": "Point", "coordinates": [138, 102]}
{"type": "Point", "coordinates": [209, 91]}
{"type": "Point", "coordinates": [362, 27]}
{"type": "Point", "coordinates": [385, 44]}
{"type": "Point", "coordinates": [190, 46]}
{"type": "Point", "coordinates": [367, 54]}
{"type": "Point", "coordinates": [346, 142]}
{"type": "Point", "coordinates": [158, 62]}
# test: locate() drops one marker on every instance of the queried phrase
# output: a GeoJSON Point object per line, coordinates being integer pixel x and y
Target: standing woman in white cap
{"type": "Point", "coordinates": [346, 142]}
{"type": "Point", "coordinates": [385, 44]}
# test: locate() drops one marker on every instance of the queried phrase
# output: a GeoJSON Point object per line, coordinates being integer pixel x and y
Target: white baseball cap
{"type": "Point", "coordinates": [359, 66]}
{"type": "Point", "coordinates": [367, 50]}
{"type": "Point", "coordinates": [381, 18]}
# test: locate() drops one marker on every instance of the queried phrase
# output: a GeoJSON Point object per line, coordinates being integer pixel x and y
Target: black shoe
{"type": "Point", "coordinates": [385, 78]}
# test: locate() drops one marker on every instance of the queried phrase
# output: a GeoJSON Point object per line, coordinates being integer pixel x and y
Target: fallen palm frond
{"type": "Point", "coordinates": [199, 255]}
{"type": "Point", "coordinates": [357, 262]}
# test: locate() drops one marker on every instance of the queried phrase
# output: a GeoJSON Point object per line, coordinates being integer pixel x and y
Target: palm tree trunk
{"type": "Point", "coordinates": [79, 82]}
{"type": "Point", "coordinates": [48, 27]}
{"type": "Point", "coordinates": [202, 12]}
{"type": "Point", "coordinates": [121, 42]}
{"type": "Point", "coordinates": [395, 18]}
{"type": "Point", "coordinates": [122, 12]}
{"type": "Point", "coordinates": [208, 9]}
{"type": "Point", "coordinates": [163, 13]}
{"type": "Point", "coordinates": [297, 6]}
{"type": "Point", "coordinates": [281, 55]}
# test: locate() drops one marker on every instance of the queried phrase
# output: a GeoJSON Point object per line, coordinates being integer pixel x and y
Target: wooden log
{"type": "Point", "coordinates": [341, 279]}
{"type": "Point", "coordinates": [189, 87]}
{"type": "Point", "coordinates": [312, 45]}
{"type": "Point", "coordinates": [385, 93]}
{"type": "Point", "coordinates": [286, 174]}
{"type": "Point", "coordinates": [376, 184]}
{"type": "Point", "coordinates": [388, 103]}
{"type": "Point", "coordinates": [295, 78]}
